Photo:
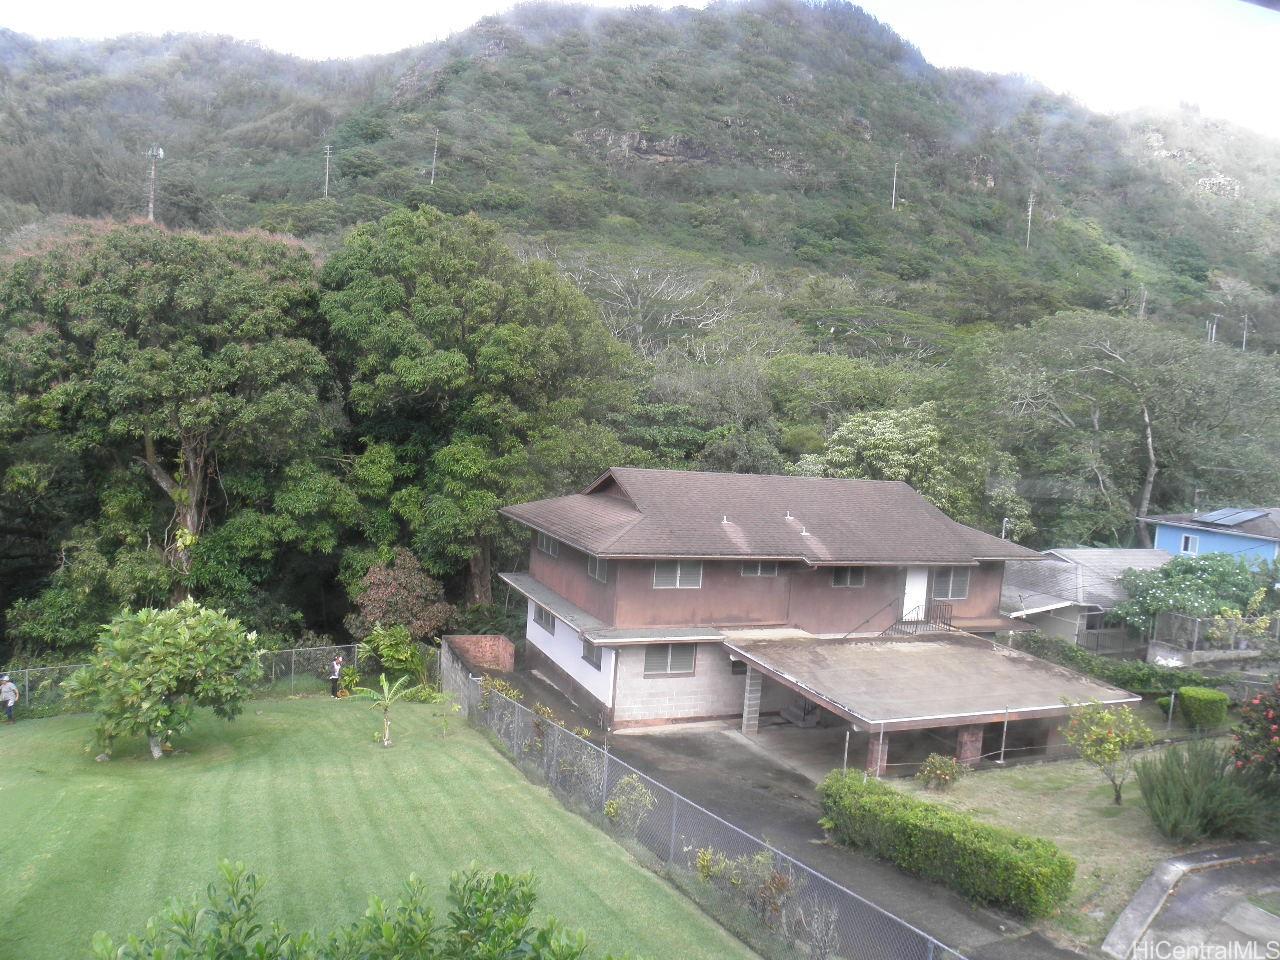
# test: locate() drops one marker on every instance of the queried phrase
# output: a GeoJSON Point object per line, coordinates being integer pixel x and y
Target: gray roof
{"type": "Point", "coordinates": [945, 679]}
{"type": "Point", "coordinates": [1081, 576]}
{"type": "Point", "coordinates": [632, 512]}
{"type": "Point", "coordinates": [1267, 525]}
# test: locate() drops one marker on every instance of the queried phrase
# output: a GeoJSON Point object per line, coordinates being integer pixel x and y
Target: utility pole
{"type": "Point", "coordinates": [328, 155]}
{"type": "Point", "coordinates": [1244, 340]}
{"type": "Point", "coordinates": [434, 151]}
{"type": "Point", "coordinates": [893, 201]}
{"type": "Point", "coordinates": [153, 154]}
{"type": "Point", "coordinates": [1031, 202]}
{"type": "Point", "coordinates": [1211, 328]}
{"type": "Point", "coordinates": [1142, 304]}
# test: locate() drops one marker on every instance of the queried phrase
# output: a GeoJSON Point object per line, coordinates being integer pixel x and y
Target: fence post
{"type": "Point", "coordinates": [671, 851]}
{"type": "Point", "coordinates": [26, 688]}
{"type": "Point", "coordinates": [292, 655]}
{"type": "Point", "coordinates": [604, 779]}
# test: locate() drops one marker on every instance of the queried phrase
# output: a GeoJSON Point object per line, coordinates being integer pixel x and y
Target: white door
{"type": "Point", "coordinates": [915, 598]}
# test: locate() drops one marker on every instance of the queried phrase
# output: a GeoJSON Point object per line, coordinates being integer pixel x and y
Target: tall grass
{"type": "Point", "coordinates": [1194, 792]}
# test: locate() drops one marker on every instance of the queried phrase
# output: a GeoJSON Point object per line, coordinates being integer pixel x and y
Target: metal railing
{"type": "Point", "coordinates": [299, 670]}
{"type": "Point", "coordinates": [775, 903]}
{"type": "Point", "coordinates": [1109, 641]}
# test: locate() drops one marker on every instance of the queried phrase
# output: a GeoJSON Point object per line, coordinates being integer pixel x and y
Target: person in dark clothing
{"type": "Point", "coordinates": [335, 674]}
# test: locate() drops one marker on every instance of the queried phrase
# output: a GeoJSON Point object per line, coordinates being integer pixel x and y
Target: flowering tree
{"type": "Point", "coordinates": [400, 594]}
{"type": "Point", "coordinates": [1107, 737]}
{"type": "Point", "coordinates": [1258, 736]}
{"type": "Point", "coordinates": [1196, 586]}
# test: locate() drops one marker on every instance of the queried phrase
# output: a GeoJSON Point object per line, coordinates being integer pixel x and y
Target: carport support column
{"type": "Point", "coordinates": [969, 744]}
{"type": "Point", "coordinates": [751, 702]}
{"type": "Point", "coordinates": [877, 753]}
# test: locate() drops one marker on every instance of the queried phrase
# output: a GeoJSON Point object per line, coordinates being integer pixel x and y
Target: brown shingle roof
{"type": "Point", "coordinates": [633, 512]}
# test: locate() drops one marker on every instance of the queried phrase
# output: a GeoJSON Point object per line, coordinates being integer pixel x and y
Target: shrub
{"type": "Point", "coordinates": [1107, 738]}
{"type": "Point", "coordinates": [1193, 792]}
{"type": "Point", "coordinates": [987, 864]}
{"type": "Point", "coordinates": [1164, 703]}
{"type": "Point", "coordinates": [629, 804]}
{"type": "Point", "coordinates": [1257, 737]}
{"type": "Point", "coordinates": [939, 772]}
{"type": "Point", "coordinates": [1203, 707]}
{"type": "Point", "coordinates": [488, 915]}
{"type": "Point", "coordinates": [1129, 674]}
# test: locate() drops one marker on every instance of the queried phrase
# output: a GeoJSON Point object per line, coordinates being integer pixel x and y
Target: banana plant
{"type": "Point", "coordinates": [384, 698]}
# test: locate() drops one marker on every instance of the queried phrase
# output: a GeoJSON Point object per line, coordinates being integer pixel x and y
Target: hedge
{"type": "Point", "coordinates": [1133, 675]}
{"type": "Point", "coordinates": [1202, 707]}
{"type": "Point", "coordinates": [986, 864]}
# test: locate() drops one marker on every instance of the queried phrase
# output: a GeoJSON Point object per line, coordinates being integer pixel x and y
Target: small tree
{"type": "Point", "coordinates": [400, 594]}
{"type": "Point", "coordinates": [1257, 738]}
{"type": "Point", "coordinates": [152, 668]}
{"type": "Point", "coordinates": [1107, 737]}
{"type": "Point", "coordinates": [391, 693]}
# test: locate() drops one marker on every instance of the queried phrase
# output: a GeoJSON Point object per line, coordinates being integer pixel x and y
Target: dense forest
{"type": "Point", "coordinates": [763, 236]}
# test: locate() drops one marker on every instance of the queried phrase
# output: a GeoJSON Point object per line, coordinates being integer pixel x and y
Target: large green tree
{"type": "Point", "coordinates": [179, 374]}
{"type": "Point", "coordinates": [490, 376]}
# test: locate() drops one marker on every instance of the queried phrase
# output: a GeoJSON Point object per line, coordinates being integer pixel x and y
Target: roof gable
{"type": "Point", "coordinates": [1265, 525]}
{"type": "Point", "coordinates": [673, 513]}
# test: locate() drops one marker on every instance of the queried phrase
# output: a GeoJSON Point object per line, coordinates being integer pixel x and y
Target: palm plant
{"type": "Point", "coordinates": [384, 698]}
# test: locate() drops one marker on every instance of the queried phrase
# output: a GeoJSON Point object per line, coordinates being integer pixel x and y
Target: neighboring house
{"type": "Point", "coordinates": [1070, 592]}
{"type": "Point", "coordinates": [1250, 533]}
{"type": "Point", "coordinates": [657, 596]}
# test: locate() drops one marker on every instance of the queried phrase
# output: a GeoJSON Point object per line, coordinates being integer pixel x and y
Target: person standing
{"type": "Point", "coordinates": [8, 696]}
{"type": "Point", "coordinates": [335, 674]}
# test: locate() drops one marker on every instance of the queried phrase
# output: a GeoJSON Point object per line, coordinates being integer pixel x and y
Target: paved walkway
{"type": "Point", "coordinates": [735, 779]}
{"type": "Point", "coordinates": [1211, 907]}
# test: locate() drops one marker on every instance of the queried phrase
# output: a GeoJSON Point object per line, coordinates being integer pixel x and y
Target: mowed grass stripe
{"type": "Point", "coordinates": [300, 791]}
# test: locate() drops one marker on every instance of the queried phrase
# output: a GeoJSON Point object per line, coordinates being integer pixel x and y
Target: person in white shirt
{"type": "Point", "coordinates": [8, 696]}
{"type": "Point", "coordinates": [335, 674]}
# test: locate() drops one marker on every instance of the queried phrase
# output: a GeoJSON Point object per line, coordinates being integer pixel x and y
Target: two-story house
{"type": "Point", "coordinates": [1250, 533]}
{"type": "Point", "coordinates": [660, 595]}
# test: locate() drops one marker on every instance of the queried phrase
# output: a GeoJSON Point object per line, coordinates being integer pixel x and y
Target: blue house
{"type": "Point", "coordinates": [1253, 533]}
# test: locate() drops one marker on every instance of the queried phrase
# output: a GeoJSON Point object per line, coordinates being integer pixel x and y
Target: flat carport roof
{"type": "Point", "coordinates": [939, 679]}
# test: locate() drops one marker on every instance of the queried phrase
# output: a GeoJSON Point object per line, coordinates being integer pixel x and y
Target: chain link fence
{"type": "Point", "coordinates": [773, 902]}
{"type": "Point", "coordinates": [297, 671]}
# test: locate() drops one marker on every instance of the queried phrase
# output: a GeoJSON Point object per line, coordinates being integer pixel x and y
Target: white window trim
{"type": "Point", "coordinates": [539, 608]}
{"type": "Point", "coordinates": [850, 585]}
{"type": "Point", "coordinates": [547, 544]}
{"type": "Point", "coordinates": [597, 569]}
{"type": "Point", "coordinates": [951, 582]}
{"type": "Point", "coordinates": [693, 667]}
{"type": "Point", "coordinates": [1190, 545]}
{"type": "Point", "coordinates": [681, 575]}
{"type": "Point", "coordinates": [757, 568]}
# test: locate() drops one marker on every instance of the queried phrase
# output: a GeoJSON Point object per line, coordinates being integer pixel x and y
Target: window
{"type": "Point", "coordinates": [848, 576]}
{"type": "Point", "coordinates": [544, 618]}
{"type": "Point", "coordinates": [669, 660]}
{"type": "Point", "coordinates": [951, 583]}
{"type": "Point", "coordinates": [548, 545]}
{"type": "Point", "coordinates": [738, 667]}
{"type": "Point", "coordinates": [597, 569]}
{"type": "Point", "coordinates": [760, 568]}
{"type": "Point", "coordinates": [1190, 544]}
{"type": "Point", "coordinates": [677, 575]}
{"type": "Point", "coordinates": [591, 653]}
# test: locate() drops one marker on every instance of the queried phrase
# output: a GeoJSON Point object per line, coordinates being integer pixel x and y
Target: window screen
{"type": "Point", "coordinates": [848, 576]}
{"type": "Point", "coordinates": [597, 569]}
{"type": "Point", "coordinates": [591, 653]}
{"type": "Point", "coordinates": [544, 618]}
{"type": "Point", "coordinates": [665, 659]}
{"type": "Point", "coordinates": [677, 574]}
{"type": "Point", "coordinates": [951, 583]}
{"type": "Point", "coordinates": [548, 545]}
{"type": "Point", "coordinates": [760, 568]}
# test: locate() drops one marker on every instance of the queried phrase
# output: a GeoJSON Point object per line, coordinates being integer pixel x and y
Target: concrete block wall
{"type": "Point", "coordinates": [714, 690]}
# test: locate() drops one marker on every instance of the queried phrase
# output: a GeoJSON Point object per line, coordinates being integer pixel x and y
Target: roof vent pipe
{"type": "Point", "coordinates": [804, 532]}
{"type": "Point", "coordinates": [725, 519]}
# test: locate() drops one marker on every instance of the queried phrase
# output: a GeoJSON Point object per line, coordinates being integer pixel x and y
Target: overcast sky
{"type": "Point", "coordinates": [1112, 55]}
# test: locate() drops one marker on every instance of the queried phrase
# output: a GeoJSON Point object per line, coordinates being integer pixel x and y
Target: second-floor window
{"type": "Point", "coordinates": [848, 576]}
{"type": "Point", "coordinates": [597, 569]}
{"type": "Point", "coordinates": [544, 618]}
{"type": "Point", "coordinates": [677, 574]}
{"type": "Point", "coordinates": [951, 583]}
{"type": "Point", "coordinates": [548, 545]}
{"type": "Point", "coordinates": [760, 568]}
{"type": "Point", "coordinates": [669, 659]}
{"type": "Point", "coordinates": [1190, 544]}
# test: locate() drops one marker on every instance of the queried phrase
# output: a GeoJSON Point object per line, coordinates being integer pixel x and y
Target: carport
{"type": "Point", "coordinates": [883, 685]}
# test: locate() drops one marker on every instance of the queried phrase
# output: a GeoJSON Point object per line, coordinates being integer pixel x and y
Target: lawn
{"type": "Point", "coordinates": [1070, 803]}
{"type": "Point", "coordinates": [298, 790]}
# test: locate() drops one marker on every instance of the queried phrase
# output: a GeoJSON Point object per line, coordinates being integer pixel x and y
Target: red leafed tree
{"type": "Point", "coordinates": [400, 594]}
{"type": "Point", "coordinates": [1258, 736]}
